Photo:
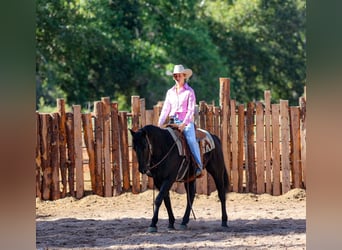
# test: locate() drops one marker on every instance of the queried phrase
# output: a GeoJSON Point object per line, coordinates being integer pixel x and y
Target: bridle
{"type": "Point", "coordinates": [149, 160]}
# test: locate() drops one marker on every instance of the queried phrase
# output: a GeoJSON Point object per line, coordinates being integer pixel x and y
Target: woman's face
{"type": "Point", "coordinates": [179, 78]}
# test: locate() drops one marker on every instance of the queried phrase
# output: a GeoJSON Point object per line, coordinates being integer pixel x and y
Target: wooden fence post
{"type": "Point", "coordinates": [276, 149]}
{"type": "Point", "coordinates": [38, 158]}
{"type": "Point", "coordinates": [295, 145]}
{"type": "Point", "coordinates": [216, 123]}
{"type": "Point", "coordinates": [78, 151]}
{"type": "Point", "coordinates": [55, 163]}
{"type": "Point", "coordinates": [90, 145]}
{"type": "Point", "coordinates": [156, 112]}
{"type": "Point", "coordinates": [107, 179]}
{"type": "Point", "coordinates": [45, 151]}
{"type": "Point", "coordinates": [62, 144]}
{"type": "Point", "coordinates": [260, 163]}
{"type": "Point", "coordinates": [251, 171]}
{"type": "Point", "coordinates": [225, 115]}
{"type": "Point", "coordinates": [285, 146]}
{"type": "Point", "coordinates": [302, 103]}
{"type": "Point", "coordinates": [124, 149]}
{"type": "Point", "coordinates": [117, 187]}
{"type": "Point", "coordinates": [241, 140]}
{"type": "Point", "coordinates": [234, 133]}
{"type": "Point", "coordinates": [98, 113]}
{"type": "Point", "coordinates": [267, 95]}
{"type": "Point", "coordinates": [135, 126]}
{"type": "Point", "coordinates": [71, 151]}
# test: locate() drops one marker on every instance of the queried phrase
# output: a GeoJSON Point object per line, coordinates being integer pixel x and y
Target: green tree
{"type": "Point", "coordinates": [263, 43]}
{"type": "Point", "coordinates": [89, 49]}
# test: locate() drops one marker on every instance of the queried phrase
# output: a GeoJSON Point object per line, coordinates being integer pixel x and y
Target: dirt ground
{"type": "Point", "coordinates": [93, 222]}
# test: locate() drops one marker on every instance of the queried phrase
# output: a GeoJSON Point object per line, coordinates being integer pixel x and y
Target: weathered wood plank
{"type": "Point", "coordinates": [124, 150]}
{"type": "Point", "coordinates": [276, 149]}
{"type": "Point", "coordinates": [62, 145]}
{"type": "Point", "coordinates": [216, 123]}
{"type": "Point", "coordinates": [302, 103]}
{"type": "Point", "coordinates": [251, 181]}
{"type": "Point", "coordinates": [117, 186]}
{"type": "Point", "coordinates": [241, 140]}
{"type": "Point", "coordinates": [268, 141]}
{"type": "Point", "coordinates": [234, 143]}
{"type": "Point", "coordinates": [296, 169]}
{"type": "Point", "coordinates": [107, 171]}
{"type": "Point", "coordinates": [45, 151]}
{"type": "Point", "coordinates": [38, 158]}
{"type": "Point", "coordinates": [55, 163]}
{"type": "Point", "coordinates": [225, 118]}
{"type": "Point", "coordinates": [98, 131]}
{"type": "Point", "coordinates": [78, 151]}
{"type": "Point", "coordinates": [260, 139]}
{"type": "Point", "coordinates": [71, 152]}
{"type": "Point", "coordinates": [135, 102]}
{"type": "Point", "coordinates": [285, 146]}
{"type": "Point", "coordinates": [90, 146]}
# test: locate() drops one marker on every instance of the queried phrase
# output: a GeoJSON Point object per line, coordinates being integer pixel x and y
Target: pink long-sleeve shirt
{"type": "Point", "coordinates": [181, 105]}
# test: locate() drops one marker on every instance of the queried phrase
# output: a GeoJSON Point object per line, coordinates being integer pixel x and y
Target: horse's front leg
{"type": "Point", "coordinates": [190, 188]}
{"type": "Point", "coordinates": [168, 206]}
{"type": "Point", "coordinates": [163, 192]}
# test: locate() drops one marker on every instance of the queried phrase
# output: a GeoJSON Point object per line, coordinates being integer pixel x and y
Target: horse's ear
{"type": "Point", "coordinates": [132, 132]}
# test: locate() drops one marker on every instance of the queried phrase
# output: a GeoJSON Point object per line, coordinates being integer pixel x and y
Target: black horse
{"type": "Point", "coordinates": [158, 157]}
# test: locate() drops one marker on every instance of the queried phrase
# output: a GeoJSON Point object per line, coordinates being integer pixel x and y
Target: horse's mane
{"type": "Point", "coordinates": [158, 136]}
{"type": "Point", "coordinates": [151, 129]}
{"type": "Point", "coordinates": [154, 131]}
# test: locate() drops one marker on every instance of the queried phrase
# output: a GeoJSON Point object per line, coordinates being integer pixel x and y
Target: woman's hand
{"type": "Point", "coordinates": [181, 127]}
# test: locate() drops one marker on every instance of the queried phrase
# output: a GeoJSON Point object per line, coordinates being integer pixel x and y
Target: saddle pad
{"type": "Point", "coordinates": [178, 142]}
{"type": "Point", "coordinates": [207, 142]}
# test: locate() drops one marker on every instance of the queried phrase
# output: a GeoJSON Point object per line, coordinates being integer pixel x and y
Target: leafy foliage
{"type": "Point", "coordinates": [90, 49]}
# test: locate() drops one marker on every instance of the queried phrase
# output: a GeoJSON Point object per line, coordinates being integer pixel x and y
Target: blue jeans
{"type": "Point", "coordinates": [190, 136]}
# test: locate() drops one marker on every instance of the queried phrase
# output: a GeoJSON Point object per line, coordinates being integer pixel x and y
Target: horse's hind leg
{"type": "Point", "coordinates": [190, 188]}
{"type": "Point", "coordinates": [221, 186]}
{"type": "Point", "coordinates": [222, 196]}
{"type": "Point", "coordinates": [167, 203]}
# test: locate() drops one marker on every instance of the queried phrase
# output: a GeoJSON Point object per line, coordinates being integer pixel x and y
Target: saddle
{"type": "Point", "coordinates": [206, 144]}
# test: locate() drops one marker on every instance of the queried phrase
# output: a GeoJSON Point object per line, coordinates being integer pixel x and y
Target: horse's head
{"type": "Point", "coordinates": [142, 149]}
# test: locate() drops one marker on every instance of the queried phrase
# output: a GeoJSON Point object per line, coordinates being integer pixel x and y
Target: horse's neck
{"type": "Point", "coordinates": [160, 142]}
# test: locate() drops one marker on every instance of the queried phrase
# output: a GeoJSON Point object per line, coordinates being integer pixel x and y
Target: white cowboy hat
{"type": "Point", "coordinates": [179, 69]}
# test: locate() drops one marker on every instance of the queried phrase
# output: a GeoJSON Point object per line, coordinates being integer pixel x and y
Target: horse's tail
{"type": "Point", "coordinates": [221, 158]}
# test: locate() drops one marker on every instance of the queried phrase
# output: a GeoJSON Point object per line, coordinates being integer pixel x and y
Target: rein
{"type": "Point", "coordinates": [150, 154]}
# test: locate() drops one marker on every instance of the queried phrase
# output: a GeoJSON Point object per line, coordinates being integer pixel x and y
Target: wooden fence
{"type": "Point", "coordinates": [264, 147]}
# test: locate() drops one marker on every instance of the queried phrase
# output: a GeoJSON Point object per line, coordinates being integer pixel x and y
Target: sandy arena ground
{"type": "Point", "coordinates": [93, 222]}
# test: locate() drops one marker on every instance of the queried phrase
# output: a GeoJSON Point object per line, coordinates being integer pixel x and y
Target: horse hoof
{"type": "Point", "coordinates": [172, 228]}
{"type": "Point", "coordinates": [224, 224]}
{"type": "Point", "coordinates": [152, 229]}
{"type": "Point", "coordinates": [183, 227]}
